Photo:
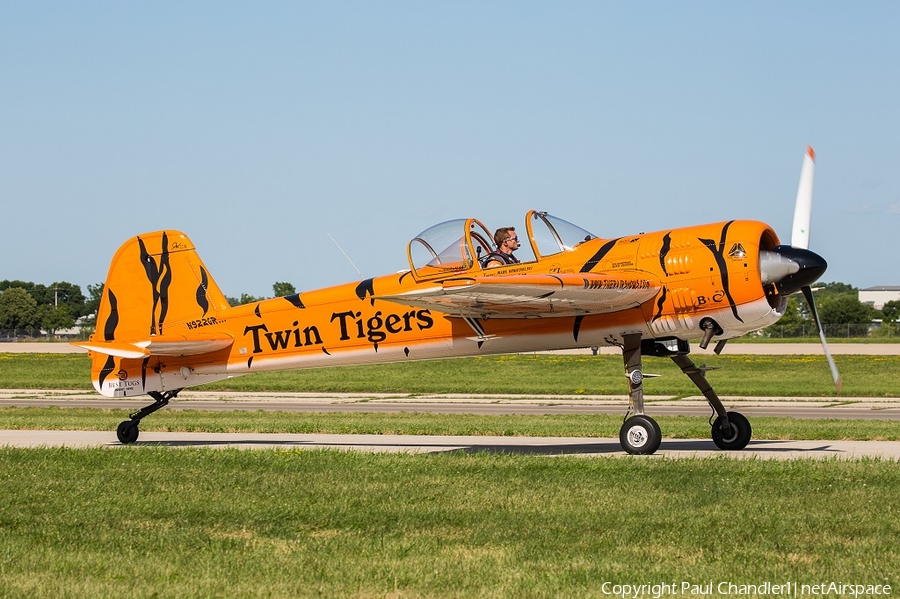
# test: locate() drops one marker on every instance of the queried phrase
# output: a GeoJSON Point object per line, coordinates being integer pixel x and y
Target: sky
{"type": "Point", "coordinates": [281, 135]}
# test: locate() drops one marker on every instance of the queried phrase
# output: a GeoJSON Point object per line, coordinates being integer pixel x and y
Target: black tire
{"type": "Point", "coordinates": [127, 432]}
{"type": "Point", "coordinates": [640, 435]}
{"type": "Point", "coordinates": [734, 437]}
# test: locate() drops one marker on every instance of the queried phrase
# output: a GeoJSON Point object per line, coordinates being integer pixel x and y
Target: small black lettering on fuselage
{"type": "Point", "coordinates": [123, 384]}
{"type": "Point", "coordinates": [617, 284]}
{"type": "Point", "coordinates": [515, 269]}
{"type": "Point", "coordinates": [717, 297]}
{"type": "Point", "coordinates": [202, 322]}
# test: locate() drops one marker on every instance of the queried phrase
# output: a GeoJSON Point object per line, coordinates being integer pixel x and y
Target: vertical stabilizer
{"type": "Point", "coordinates": [156, 282]}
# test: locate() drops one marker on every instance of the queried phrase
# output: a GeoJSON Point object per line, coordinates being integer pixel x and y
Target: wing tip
{"type": "Point", "coordinates": [811, 153]}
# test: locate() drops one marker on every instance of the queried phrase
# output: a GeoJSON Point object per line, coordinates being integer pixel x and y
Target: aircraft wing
{"type": "Point", "coordinates": [534, 296]}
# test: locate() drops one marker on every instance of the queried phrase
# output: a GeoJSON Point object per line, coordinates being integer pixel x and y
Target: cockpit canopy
{"type": "Point", "coordinates": [551, 235]}
{"type": "Point", "coordinates": [459, 245]}
{"type": "Point", "coordinates": [448, 247]}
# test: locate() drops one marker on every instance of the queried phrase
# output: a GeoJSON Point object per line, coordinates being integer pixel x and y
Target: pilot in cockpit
{"type": "Point", "coordinates": [507, 242]}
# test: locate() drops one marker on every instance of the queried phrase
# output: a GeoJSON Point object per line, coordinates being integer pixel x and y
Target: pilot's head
{"type": "Point", "coordinates": [506, 239]}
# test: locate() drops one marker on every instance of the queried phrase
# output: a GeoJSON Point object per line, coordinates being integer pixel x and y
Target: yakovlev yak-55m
{"type": "Point", "coordinates": [164, 325]}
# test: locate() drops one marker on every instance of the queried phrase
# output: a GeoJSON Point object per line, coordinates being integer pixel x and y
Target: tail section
{"type": "Point", "coordinates": [158, 300]}
{"type": "Point", "coordinates": [154, 280]}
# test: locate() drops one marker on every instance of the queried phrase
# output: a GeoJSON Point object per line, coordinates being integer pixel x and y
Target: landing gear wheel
{"type": "Point", "coordinates": [733, 437]}
{"type": "Point", "coordinates": [640, 435]}
{"type": "Point", "coordinates": [127, 432]}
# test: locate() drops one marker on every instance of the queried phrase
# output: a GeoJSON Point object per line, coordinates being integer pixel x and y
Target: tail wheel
{"type": "Point", "coordinates": [733, 436]}
{"type": "Point", "coordinates": [640, 435]}
{"type": "Point", "coordinates": [127, 432]}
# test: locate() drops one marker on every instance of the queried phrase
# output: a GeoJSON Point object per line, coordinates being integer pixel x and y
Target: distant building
{"type": "Point", "coordinates": [879, 295]}
{"type": "Point", "coordinates": [83, 327]}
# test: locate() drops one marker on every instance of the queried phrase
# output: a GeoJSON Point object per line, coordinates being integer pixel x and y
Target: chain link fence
{"type": "Point", "coordinates": [33, 334]}
{"type": "Point", "coordinates": [835, 331]}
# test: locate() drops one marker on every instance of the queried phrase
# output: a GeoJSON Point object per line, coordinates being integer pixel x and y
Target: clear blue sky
{"type": "Point", "coordinates": [258, 128]}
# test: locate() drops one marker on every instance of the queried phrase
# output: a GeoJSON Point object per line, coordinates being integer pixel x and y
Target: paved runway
{"type": "Point", "coordinates": [550, 446]}
{"type": "Point", "coordinates": [864, 408]}
{"type": "Point", "coordinates": [860, 408]}
{"type": "Point", "coordinates": [844, 407]}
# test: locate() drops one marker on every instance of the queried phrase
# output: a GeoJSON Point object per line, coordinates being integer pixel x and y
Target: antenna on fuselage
{"type": "Point", "coordinates": [343, 252]}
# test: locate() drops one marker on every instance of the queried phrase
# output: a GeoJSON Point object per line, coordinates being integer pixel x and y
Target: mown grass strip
{"type": "Point", "coordinates": [221, 523]}
{"type": "Point", "coordinates": [405, 423]}
{"type": "Point", "coordinates": [527, 374]}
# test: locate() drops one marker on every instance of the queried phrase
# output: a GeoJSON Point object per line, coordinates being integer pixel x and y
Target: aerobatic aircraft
{"type": "Point", "coordinates": [164, 325]}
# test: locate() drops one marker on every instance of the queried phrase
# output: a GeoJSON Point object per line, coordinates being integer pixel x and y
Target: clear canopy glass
{"type": "Point", "coordinates": [551, 235]}
{"type": "Point", "coordinates": [459, 245]}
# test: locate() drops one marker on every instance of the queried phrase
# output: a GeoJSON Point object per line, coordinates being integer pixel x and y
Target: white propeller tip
{"type": "Point", "coordinates": [803, 204]}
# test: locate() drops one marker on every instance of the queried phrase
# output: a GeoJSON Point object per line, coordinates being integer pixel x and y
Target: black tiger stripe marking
{"type": "Point", "coordinates": [109, 327]}
{"type": "Point", "coordinates": [144, 364]}
{"type": "Point", "coordinates": [365, 288]}
{"type": "Point", "coordinates": [202, 301]}
{"type": "Point", "coordinates": [160, 277]}
{"type": "Point", "coordinates": [664, 251]}
{"type": "Point", "coordinates": [107, 370]}
{"type": "Point", "coordinates": [718, 252]}
{"type": "Point", "coordinates": [659, 305]}
{"type": "Point", "coordinates": [596, 258]}
{"type": "Point", "coordinates": [295, 300]}
{"type": "Point", "coordinates": [576, 326]}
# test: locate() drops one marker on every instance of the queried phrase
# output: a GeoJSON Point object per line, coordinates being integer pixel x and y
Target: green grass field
{"type": "Point", "coordinates": [792, 376]}
{"type": "Point", "coordinates": [181, 522]}
{"type": "Point", "coordinates": [162, 522]}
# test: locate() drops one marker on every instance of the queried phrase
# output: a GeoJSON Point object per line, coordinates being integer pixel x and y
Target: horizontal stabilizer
{"type": "Point", "coordinates": [160, 345]}
{"type": "Point", "coordinates": [118, 349]}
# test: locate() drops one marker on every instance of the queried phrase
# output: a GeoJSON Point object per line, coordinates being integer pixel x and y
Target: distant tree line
{"type": "Point", "coordinates": [279, 289]}
{"type": "Point", "coordinates": [28, 308]}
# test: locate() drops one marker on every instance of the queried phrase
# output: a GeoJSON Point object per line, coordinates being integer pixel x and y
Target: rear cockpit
{"type": "Point", "coordinates": [550, 235]}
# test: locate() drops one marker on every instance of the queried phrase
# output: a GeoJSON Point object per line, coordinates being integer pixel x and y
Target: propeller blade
{"type": "Point", "coordinates": [807, 293]}
{"type": "Point", "coordinates": [803, 205]}
{"type": "Point", "coordinates": [792, 268]}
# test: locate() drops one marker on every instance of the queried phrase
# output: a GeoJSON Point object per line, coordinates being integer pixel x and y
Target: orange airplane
{"type": "Point", "coordinates": [164, 325]}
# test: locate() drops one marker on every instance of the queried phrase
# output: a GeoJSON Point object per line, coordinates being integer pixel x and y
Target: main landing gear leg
{"type": "Point", "coordinates": [127, 432]}
{"type": "Point", "coordinates": [730, 430]}
{"type": "Point", "coordinates": [639, 433]}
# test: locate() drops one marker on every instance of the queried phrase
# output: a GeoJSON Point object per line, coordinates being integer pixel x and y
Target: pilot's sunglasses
{"type": "Point", "coordinates": [512, 239]}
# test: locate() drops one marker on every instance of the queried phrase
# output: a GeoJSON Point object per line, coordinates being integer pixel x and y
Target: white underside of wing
{"type": "Point", "coordinates": [534, 296]}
